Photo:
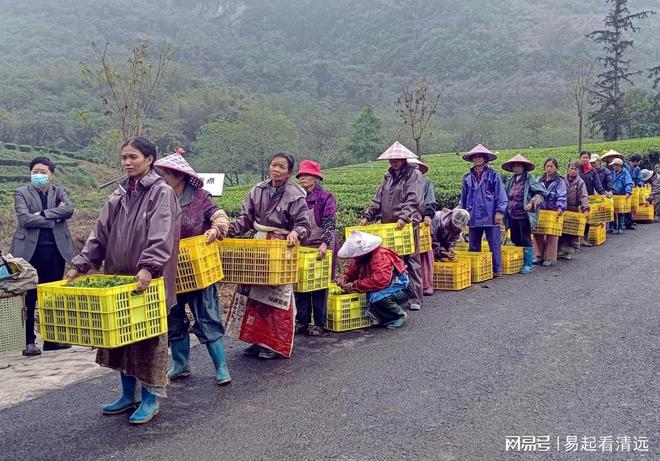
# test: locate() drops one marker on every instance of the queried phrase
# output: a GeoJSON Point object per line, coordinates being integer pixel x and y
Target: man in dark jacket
{"type": "Point", "coordinates": [604, 174]}
{"type": "Point", "coordinates": [42, 236]}
{"type": "Point", "coordinates": [592, 180]}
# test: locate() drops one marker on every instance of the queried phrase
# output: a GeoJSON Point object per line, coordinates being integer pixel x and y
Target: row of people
{"type": "Point", "coordinates": [161, 201]}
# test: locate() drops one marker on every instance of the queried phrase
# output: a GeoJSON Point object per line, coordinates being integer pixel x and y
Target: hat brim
{"type": "Point", "coordinates": [610, 157]}
{"type": "Point", "coordinates": [303, 173]}
{"type": "Point", "coordinates": [194, 180]}
{"type": "Point", "coordinates": [364, 251]}
{"type": "Point", "coordinates": [490, 157]}
{"type": "Point", "coordinates": [508, 166]}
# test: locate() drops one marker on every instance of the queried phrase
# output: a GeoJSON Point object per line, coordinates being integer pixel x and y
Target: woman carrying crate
{"type": "Point", "coordinates": [594, 185]}
{"type": "Point", "coordinates": [137, 233]}
{"type": "Point", "coordinates": [199, 216]}
{"type": "Point", "coordinates": [323, 210]}
{"type": "Point", "coordinates": [525, 194]}
{"type": "Point", "coordinates": [622, 185]}
{"type": "Point", "coordinates": [380, 273]}
{"type": "Point", "coordinates": [426, 259]}
{"type": "Point", "coordinates": [545, 246]}
{"type": "Point", "coordinates": [577, 201]}
{"type": "Point", "coordinates": [400, 199]}
{"type": "Point", "coordinates": [483, 195]}
{"type": "Point", "coordinates": [275, 209]}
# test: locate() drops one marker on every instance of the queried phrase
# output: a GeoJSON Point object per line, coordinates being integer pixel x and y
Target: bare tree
{"type": "Point", "coordinates": [416, 107]}
{"type": "Point", "coordinates": [580, 77]}
{"type": "Point", "coordinates": [127, 94]}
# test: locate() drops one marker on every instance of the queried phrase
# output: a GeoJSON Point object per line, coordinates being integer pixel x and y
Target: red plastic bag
{"type": "Point", "coordinates": [257, 323]}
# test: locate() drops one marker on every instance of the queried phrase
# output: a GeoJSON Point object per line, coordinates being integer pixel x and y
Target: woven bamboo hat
{"type": "Point", "coordinates": [508, 165]}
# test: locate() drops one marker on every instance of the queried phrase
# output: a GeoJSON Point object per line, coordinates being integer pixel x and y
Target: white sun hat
{"type": "Point", "coordinates": [397, 151]}
{"type": "Point", "coordinates": [359, 244]}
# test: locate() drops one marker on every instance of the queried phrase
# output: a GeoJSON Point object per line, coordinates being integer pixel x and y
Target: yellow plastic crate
{"type": "Point", "coordinates": [645, 212]}
{"type": "Point", "coordinates": [101, 317]}
{"type": "Point", "coordinates": [601, 210]}
{"type": "Point", "coordinates": [313, 274]}
{"type": "Point", "coordinates": [643, 194]}
{"type": "Point", "coordinates": [452, 275]}
{"type": "Point", "coordinates": [425, 238]}
{"type": "Point", "coordinates": [598, 234]}
{"type": "Point", "coordinates": [574, 223]}
{"type": "Point", "coordinates": [346, 311]}
{"type": "Point", "coordinates": [512, 259]}
{"type": "Point", "coordinates": [259, 262]}
{"type": "Point", "coordinates": [402, 241]}
{"type": "Point", "coordinates": [549, 223]}
{"type": "Point", "coordinates": [622, 204]}
{"type": "Point", "coordinates": [461, 246]}
{"type": "Point", "coordinates": [199, 264]}
{"type": "Point", "coordinates": [12, 324]}
{"type": "Point", "coordinates": [481, 264]}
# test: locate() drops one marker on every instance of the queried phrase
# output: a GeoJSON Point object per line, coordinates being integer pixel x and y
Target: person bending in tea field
{"type": "Point", "coordinates": [400, 199]}
{"type": "Point", "coordinates": [525, 195]}
{"type": "Point", "coordinates": [137, 233]}
{"type": "Point", "coordinates": [380, 273]}
{"type": "Point", "coordinates": [446, 229]}
{"type": "Point", "coordinates": [577, 200]}
{"type": "Point", "coordinates": [651, 178]}
{"type": "Point", "coordinates": [545, 246]}
{"type": "Point", "coordinates": [200, 216]}
{"type": "Point", "coordinates": [275, 209]}
{"type": "Point", "coordinates": [323, 209]}
{"type": "Point", "coordinates": [483, 195]}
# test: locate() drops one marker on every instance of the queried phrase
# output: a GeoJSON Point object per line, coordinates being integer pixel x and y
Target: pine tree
{"type": "Point", "coordinates": [607, 96]}
{"type": "Point", "coordinates": [365, 138]}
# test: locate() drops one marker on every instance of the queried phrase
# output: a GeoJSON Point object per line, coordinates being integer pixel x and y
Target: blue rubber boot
{"type": "Point", "coordinates": [528, 259]}
{"type": "Point", "coordinates": [217, 353]}
{"type": "Point", "coordinates": [147, 409]}
{"type": "Point", "coordinates": [127, 401]}
{"type": "Point", "coordinates": [180, 355]}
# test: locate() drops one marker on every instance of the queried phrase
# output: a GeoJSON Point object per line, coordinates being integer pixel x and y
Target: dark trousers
{"type": "Point", "coordinates": [389, 309]}
{"type": "Point", "coordinates": [49, 264]}
{"type": "Point", "coordinates": [521, 232]}
{"type": "Point", "coordinates": [313, 301]}
{"type": "Point", "coordinates": [494, 238]}
{"type": "Point", "coordinates": [205, 309]}
{"type": "Point", "coordinates": [628, 220]}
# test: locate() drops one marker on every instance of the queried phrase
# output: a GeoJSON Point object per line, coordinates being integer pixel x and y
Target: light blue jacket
{"type": "Point", "coordinates": [622, 182]}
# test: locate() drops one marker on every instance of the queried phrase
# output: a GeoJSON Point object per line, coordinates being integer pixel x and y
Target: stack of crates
{"type": "Point", "coordinates": [481, 264]}
{"type": "Point", "coordinates": [346, 311]}
{"type": "Point", "coordinates": [12, 326]}
{"type": "Point", "coordinates": [512, 259]}
{"type": "Point", "coordinates": [622, 203]}
{"type": "Point", "coordinates": [574, 223]}
{"type": "Point", "coordinates": [601, 210]}
{"type": "Point", "coordinates": [199, 264]}
{"type": "Point", "coordinates": [425, 240]}
{"type": "Point", "coordinates": [645, 212]}
{"type": "Point", "coordinates": [400, 240]}
{"type": "Point", "coordinates": [549, 223]}
{"type": "Point", "coordinates": [102, 317]}
{"type": "Point", "coordinates": [259, 262]}
{"type": "Point", "coordinates": [313, 274]}
{"type": "Point", "coordinates": [598, 234]}
{"type": "Point", "coordinates": [452, 275]}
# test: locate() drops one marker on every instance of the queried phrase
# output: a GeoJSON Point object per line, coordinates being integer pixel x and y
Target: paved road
{"type": "Point", "coordinates": [570, 350]}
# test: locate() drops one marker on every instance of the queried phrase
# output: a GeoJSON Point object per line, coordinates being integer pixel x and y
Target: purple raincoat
{"type": "Point", "coordinates": [484, 198]}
